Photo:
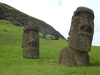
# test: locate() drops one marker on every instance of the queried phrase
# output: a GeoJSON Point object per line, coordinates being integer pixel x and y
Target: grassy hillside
{"type": "Point", "coordinates": [19, 18]}
{"type": "Point", "coordinates": [13, 63]}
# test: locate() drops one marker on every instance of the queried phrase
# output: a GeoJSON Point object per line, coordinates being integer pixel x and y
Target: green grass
{"type": "Point", "coordinates": [13, 63]}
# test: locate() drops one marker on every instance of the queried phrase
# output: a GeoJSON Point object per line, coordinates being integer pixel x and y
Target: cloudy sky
{"type": "Point", "coordinates": [58, 13]}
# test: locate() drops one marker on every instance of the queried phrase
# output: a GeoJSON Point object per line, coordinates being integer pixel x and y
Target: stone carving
{"type": "Point", "coordinates": [1, 14]}
{"type": "Point", "coordinates": [56, 37]}
{"type": "Point", "coordinates": [30, 43]}
{"type": "Point", "coordinates": [80, 39]}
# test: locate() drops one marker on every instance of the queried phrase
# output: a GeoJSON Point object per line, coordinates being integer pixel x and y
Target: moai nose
{"type": "Point", "coordinates": [31, 38]}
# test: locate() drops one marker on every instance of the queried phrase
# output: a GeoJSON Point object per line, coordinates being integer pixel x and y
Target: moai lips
{"type": "Point", "coordinates": [82, 42]}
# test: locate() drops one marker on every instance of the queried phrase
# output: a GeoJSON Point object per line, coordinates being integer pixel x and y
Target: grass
{"type": "Point", "coordinates": [13, 63]}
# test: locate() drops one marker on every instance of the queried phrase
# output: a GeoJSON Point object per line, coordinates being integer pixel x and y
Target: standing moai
{"type": "Point", "coordinates": [56, 37]}
{"type": "Point", "coordinates": [80, 39]}
{"type": "Point", "coordinates": [1, 14]}
{"type": "Point", "coordinates": [30, 42]}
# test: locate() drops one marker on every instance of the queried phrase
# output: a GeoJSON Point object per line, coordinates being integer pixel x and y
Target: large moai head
{"type": "Point", "coordinates": [30, 42]}
{"type": "Point", "coordinates": [82, 29]}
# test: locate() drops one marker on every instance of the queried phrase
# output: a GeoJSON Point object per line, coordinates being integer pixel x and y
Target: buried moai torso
{"type": "Point", "coordinates": [80, 39]}
{"type": "Point", "coordinates": [30, 42]}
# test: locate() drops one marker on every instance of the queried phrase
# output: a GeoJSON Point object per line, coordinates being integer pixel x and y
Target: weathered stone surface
{"type": "Point", "coordinates": [30, 42]}
{"type": "Point", "coordinates": [56, 37]}
{"type": "Point", "coordinates": [1, 14]}
{"type": "Point", "coordinates": [80, 39]}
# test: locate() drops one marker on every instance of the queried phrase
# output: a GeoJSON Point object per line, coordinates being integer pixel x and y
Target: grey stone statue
{"type": "Point", "coordinates": [30, 42]}
{"type": "Point", "coordinates": [80, 39]}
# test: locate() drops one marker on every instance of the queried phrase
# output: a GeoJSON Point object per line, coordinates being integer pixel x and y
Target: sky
{"type": "Point", "coordinates": [58, 13]}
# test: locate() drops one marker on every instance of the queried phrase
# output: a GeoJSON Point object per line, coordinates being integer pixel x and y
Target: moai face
{"type": "Point", "coordinates": [30, 42]}
{"type": "Point", "coordinates": [82, 28]}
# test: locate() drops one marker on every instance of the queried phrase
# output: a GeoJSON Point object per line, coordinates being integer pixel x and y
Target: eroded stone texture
{"type": "Point", "coordinates": [80, 39]}
{"type": "Point", "coordinates": [56, 37]}
{"type": "Point", "coordinates": [30, 42]}
{"type": "Point", "coordinates": [1, 14]}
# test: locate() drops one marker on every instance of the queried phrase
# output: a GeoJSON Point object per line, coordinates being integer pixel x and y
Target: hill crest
{"type": "Point", "coordinates": [19, 18]}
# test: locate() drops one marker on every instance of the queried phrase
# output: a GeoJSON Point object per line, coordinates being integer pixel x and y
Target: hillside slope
{"type": "Point", "coordinates": [21, 19]}
{"type": "Point", "coordinates": [13, 63]}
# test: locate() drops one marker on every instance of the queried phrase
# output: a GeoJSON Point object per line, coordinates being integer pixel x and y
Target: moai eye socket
{"type": "Point", "coordinates": [86, 29]}
{"type": "Point", "coordinates": [26, 31]}
{"type": "Point", "coordinates": [77, 20]}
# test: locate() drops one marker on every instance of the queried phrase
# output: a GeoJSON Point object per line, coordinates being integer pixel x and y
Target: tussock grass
{"type": "Point", "coordinates": [13, 63]}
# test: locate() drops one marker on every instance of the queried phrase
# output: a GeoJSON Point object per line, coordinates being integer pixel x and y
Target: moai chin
{"type": "Point", "coordinates": [30, 43]}
{"type": "Point", "coordinates": [80, 39]}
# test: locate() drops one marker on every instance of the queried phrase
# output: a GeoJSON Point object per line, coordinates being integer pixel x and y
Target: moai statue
{"type": "Point", "coordinates": [44, 34]}
{"type": "Point", "coordinates": [80, 39]}
{"type": "Point", "coordinates": [30, 43]}
{"type": "Point", "coordinates": [1, 14]}
{"type": "Point", "coordinates": [56, 37]}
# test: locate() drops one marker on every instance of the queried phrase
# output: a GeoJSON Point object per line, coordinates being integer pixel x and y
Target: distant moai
{"type": "Point", "coordinates": [30, 42]}
{"type": "Point", "coordinates": [1, 14]}
{"type": "Point", "coordinates": [80, 39]}
{"type": "Point", "coordinates": [56, 37]}
{"type": "Point", "coordinates": [44, 34]}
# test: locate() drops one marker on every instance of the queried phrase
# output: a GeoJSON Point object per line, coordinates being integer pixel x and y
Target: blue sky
{"type": "Point", "coordinates": [58, 13]}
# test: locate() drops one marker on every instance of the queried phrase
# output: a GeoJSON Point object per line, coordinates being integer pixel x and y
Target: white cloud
{"type": "Point", "coordinates": [58, 13]}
